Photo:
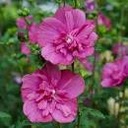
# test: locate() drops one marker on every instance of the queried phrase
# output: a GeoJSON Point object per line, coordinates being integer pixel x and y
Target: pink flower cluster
{"type": "Point", "coordinates": [26, 24]}
{"type": "Point", "coordinates": [50, 94]}
{"type": "Point", "coordinates": [115, 73]}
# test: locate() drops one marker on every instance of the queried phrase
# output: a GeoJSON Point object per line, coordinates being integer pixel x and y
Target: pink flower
{"type": "Point", "coordinates": [33, 31]}
{"type": "Point", "coordinates": [104, 20]}
{"type": "Point", "coordinates": [25, 23]}
{"type": "Point", "coordinates": [120, 49]}
{"type": "Point", "coordinates": [90, 5]}
{"type": "Point", "coordinates": [22, 23]}
{"type": "Point", "coordinates": [50, 94]}
{"type": "Point", "coordinates": [66, 36]}
{"type": "Point", "coordinates": [25, 49]}
{"type": "Point", "coordinates": [115, 73]}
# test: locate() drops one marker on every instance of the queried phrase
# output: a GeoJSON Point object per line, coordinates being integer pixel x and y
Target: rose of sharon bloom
{"type": "Point", "coordinates": [66, 36]}
{"type": "Point", "coordinates": [104, 20]}
{"type": "Point", "coordinates": [51, 94]}
{"type": "Point", "coordinates": [25, 49]}
{"type": "Point", "coordinates": [115, 73]}
{"type": "Point", "coordinates": [120, 49]}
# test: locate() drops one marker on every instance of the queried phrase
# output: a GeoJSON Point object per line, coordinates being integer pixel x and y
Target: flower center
{"type": "Point", "coordinates": [53, 92]}
{"type": "Point", "coordinates": [50, 94]}
{"type": "Point", "coordinates": [46, 92]}
{"type": "Point", "coordinates": [69, 39]}
{"type": "Point", "coordinates": [67, 44]}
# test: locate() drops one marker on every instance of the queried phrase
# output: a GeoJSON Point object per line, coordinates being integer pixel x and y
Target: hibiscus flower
{"type": "Point", "coordinates": [66, 36]}
{"type": "Point", "coordinates": [51, 94]}
{"type": "Point", "coordinates": [115, 73]}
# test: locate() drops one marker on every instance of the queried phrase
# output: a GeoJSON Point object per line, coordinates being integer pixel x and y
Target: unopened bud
{"type": "Point", "coordinates": [23, 12]}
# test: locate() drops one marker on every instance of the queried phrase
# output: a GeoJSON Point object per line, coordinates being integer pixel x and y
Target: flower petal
{"type": "Point", "coordinates": [30, 82]}
{"type": "Point", "coordinates": [29, 86]}
{"type": "Point", "coordinates": [106, 83]}
{"type": "Point", "coordinates": [73, 84]}
{"type": "Point", "coordinates": [49, 30]}
{"type": "Point", "coordinates": [78, 17]}
{"type": "Point", "coordinates": [66, 112]}
{"type": "Point", "coordinates": [50, 54]}
{"type": "Point", "coordinates": [88, 52]}
{"type": "Point", "coordinates": [33, 113]}
{"type": "Point", "coordinates": [85, 30]}
{"type": "Point", "coordinates": [60, 13]}
{"type": "Point", "coordinates": [72, 18]}
{"type": "Point", "coordinates": [53, 72]}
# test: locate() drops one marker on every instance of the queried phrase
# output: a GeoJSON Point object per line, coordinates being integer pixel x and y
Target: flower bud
{"type": "Point", "coordinates": [24, 12]}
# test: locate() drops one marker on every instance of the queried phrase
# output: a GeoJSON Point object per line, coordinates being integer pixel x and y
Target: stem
{"type": "Point", "coordinates": [78, 122]}
{"type": "Point", "coordinates": [121, 31]}
{"type": "Point", "coordinates": [91, 88]}
{"type": "Point", "coordinates": [57, 125]}
{"type": "Point", "coordinates": [118, 116]}
{"type": "Point", "coordinates": [120, 105]}
{"type": "Point", "coordinates": [75, 3]}
{"type": "Point", "coordinates": [73, 67]}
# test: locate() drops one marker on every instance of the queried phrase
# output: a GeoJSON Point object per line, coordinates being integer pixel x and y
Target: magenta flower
{"type": "Point", "coordinates": [104, 20]}
{"type": "Point", "coordinates": [50, 94]}
{"type": "Point", "coordinates": [66, 36]}
{"type": "Point", "coordinates": [120, 49]}
{"type": "Point", "coordinates": [26, 23]}
{"type": "Point", "coordinates": [22, 22]}
{"type": "Point", "coordinates": [90, 5]}
{"type": "Point", "coordinates": [115, 73]}
{"type": "Point", "coordinates": [25, 49]}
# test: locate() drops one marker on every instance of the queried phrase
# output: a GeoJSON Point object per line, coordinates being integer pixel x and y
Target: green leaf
{"type": "Point", "coordinates": [4, 115]}
{"type": "Point", "coordinates": [89, 117]}
{"type": "Point", "coordinates": [94, 113]}
{"type": "Point", "coordinates": [87, 123]}
{"type": "Point", "coordinates": [5, 118]}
